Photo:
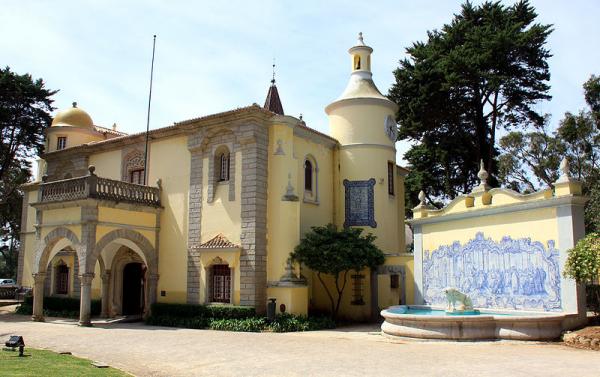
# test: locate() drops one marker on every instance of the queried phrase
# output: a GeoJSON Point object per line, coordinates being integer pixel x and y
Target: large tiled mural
{"type": "Point", "coordinates": [510, 274]}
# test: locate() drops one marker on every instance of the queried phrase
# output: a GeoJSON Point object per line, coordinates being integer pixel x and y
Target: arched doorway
{"type": "Point", "coordinates": [133, 289]}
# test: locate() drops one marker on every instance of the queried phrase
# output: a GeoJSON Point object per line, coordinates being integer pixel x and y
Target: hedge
{"type": "Point", "coordinates": [230, 318]}
{"type": "Point", "coordinates": [59, 307]}
{"type": "Point", "coordinates": [203, 311]}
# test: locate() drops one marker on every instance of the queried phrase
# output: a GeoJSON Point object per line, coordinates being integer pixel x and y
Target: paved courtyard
{"type": "Point", "coordinates": [358, 351]}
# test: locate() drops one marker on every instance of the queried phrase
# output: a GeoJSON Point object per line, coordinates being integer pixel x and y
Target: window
{"type": "Point", "coordinates": [61, 142]}
{"type": "Point", "coordinates": [62, 279]}
{"type": "Point", "coordinates": [137, 176]}
{"type": "Point", "coordinates": [391, 178]}
{"type": "Point", "coordinates": [356, 62]}
{"type": "Point", "coordinates": [357, 289]}
{"type": "Point", "coordinates": [224, 167]}
{"type": "Point", "coordinates": [308, 175]}
{"type": "Point", "coordinates": [221, 283]}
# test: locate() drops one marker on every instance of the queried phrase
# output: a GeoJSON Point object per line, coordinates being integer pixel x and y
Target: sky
{"type": "Point", "coordinates": [214, 56]}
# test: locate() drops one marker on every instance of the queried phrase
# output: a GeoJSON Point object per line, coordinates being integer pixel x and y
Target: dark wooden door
{"type": "Point", "coordinates": [221, 284]}
{"type": "Point", "coordinates": [132, 289]}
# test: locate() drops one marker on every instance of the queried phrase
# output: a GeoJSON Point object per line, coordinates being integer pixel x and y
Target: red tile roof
{"type": "Point", "coordinates": [218, 242]}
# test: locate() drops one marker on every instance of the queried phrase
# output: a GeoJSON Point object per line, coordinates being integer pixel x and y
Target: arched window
{"type": "Point", "coordinates": [308, 175]}
{"type": "Point", "coordinates": [223, 166]}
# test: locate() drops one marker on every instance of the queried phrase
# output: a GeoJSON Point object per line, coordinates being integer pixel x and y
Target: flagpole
{"type": "Point", "coordinates": [148, 114]}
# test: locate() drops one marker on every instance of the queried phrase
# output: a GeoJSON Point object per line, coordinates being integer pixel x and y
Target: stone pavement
{"type": "Point", "coordinates": [358, 351]}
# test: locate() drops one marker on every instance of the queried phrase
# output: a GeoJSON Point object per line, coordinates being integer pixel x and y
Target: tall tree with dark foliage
{"type": "Point", "coordinates": [25, 106]}
{"type": "Point", "coordinates": [483, 71]}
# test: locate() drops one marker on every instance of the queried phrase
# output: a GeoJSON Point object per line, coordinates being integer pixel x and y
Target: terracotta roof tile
{"type": "Point", "coordinates": [218, 242]}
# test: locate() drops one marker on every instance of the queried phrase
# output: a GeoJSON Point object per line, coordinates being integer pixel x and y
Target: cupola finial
{"type": "Point", "coordinates": [74, 104]}
{"type": "Point", "coordinates": [273, 79]}
{"type": "Point", "coordinates": [361, 42]}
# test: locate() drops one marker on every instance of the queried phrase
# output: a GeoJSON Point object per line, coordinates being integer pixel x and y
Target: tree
{"type": "Point", "coordinates": [583, 264]}
{"type": "Point", "coordinates": [25, 107]}
{"type": "Point", "coordinates": [485, 70]}
{"type": "Point", "coordinates": [530, 160]}
{"type": "Point", "coordinates": [327, 251]}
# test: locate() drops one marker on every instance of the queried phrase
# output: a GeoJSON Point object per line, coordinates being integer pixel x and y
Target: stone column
{"type": "Point", "coordinates": [86, 298]}
{"type": "Point", "coordinates": [105, 298]}
{"type": "Point", "coordinates": [38, 296]}
{"type": "Point", "coordinates": [152, 282]}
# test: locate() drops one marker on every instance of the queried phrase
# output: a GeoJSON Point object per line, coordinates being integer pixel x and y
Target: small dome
{"type": "Point", "coordinates": [73, 117]}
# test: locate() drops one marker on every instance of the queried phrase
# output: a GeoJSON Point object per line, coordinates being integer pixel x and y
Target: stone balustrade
{"type": "Point", "coordinates": [92, 186]}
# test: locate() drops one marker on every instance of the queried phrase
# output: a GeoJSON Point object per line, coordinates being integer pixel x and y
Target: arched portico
{"type": "Point", "coordinates": [52, 243]}
{"type": "Point", "coordinates": [118, 248]}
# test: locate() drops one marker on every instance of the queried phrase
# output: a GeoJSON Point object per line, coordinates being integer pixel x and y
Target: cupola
{"type": "Point", "coordinates": [73, 117]}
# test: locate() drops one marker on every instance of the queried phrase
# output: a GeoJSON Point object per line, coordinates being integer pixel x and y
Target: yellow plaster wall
{"type": "Point", "coordinates": [32, 198]}
{"type": "Point", "coordinates": [127, 217]}
{"type": "Point", "coordinates": [170, 161]}
{"type": "Point", "coordinates": [360, 124]}
{"type": "Point", "coordinates": [363, 163]}
{"type": "Point", "coordinates": [108, 164]}
{"type": "Point", "coordinates": [75, 136]}
{"type": "Point", "coordinates": [222, 215]}
{"type": "Point", "coordinates": [295, 299]}
{"type": "Point", "coordinates": [537, 224]}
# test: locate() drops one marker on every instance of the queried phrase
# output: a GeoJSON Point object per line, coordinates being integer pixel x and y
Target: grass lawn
{"type": "Point", "coordinates": [48, 363]}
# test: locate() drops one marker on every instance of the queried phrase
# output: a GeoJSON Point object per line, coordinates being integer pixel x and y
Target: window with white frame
{"type": "Point", "coordinates": [61, 142]}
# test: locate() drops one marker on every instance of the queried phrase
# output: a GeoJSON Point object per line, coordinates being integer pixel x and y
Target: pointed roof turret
{"type": "Point", "coordinates": [272, 102]}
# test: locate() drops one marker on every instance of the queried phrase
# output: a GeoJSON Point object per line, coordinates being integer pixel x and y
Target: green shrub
{"type": "Point", "coordinates": [256, 324]}
{"type": "Point", "coordinates": [204, 311]}
{"type": "Point", "coordinates": [292, 323]}
{"type": "Point", "coordinates": [583, 261]}
{"type": "Point", "coordinates": [59, 307]}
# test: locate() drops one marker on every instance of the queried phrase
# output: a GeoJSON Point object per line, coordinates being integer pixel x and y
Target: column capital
{"type": "Point", "coordinates": [39, 277]}
{"type": "Point", "coordinates": [105, 276]}
{"type": "Point", "coordinates": [153, 277]}
{"type": "Point", "coordinates": [86, 279]}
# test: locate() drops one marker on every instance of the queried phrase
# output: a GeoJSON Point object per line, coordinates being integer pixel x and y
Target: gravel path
{"type": "Point", "coordinates": [360, 351]}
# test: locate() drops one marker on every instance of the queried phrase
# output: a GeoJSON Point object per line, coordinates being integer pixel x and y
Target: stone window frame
{"type": "Point", "coordinates": [312, 195]}
{"type": "Point", "coordinates": [223, 161]}
{"type": "Point", "coordinates": [214, 170]}
{"type": "Point", "coordinates": [133, 160]}
{"type": "Point", "coordinates": [208, 273]}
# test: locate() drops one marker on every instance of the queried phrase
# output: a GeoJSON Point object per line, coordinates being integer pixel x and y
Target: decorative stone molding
{"type": "Point", "coordinates": [87, 278]}
{"type": "Point", "coordinates": [132, 159]}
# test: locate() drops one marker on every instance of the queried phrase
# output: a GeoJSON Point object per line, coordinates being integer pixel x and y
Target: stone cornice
{"type": "Point", "coordinates": [552, 202]}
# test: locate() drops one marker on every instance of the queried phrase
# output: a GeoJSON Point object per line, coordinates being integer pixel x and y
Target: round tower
{"type": "Point", "coordinates": [363, 121]}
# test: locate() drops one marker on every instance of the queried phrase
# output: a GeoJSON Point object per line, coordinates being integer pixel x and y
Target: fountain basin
{"type": "Point", "coordinates": [431, 323]}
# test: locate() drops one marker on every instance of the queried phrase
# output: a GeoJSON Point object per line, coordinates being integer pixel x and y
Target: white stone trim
{"type": "Point", "coordinates": [356, 145]}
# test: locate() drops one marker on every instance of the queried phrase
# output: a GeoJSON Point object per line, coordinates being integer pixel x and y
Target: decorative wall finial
{"type": "Point", "coordinates": [422, 197]}
{"type": "Point", "coordinates": [564, 168]}
{"type": "Point", "coordinates": [91, 169]}
{"type": "Point", "coordinates": [74, 104]}
{"type": "Point", "coordinates": [482, 174]}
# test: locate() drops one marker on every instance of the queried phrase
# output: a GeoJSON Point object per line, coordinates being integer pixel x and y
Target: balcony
{"type": "Point", "coordinates": [93, 187]}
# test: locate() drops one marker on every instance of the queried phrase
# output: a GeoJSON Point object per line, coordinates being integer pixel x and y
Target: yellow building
{"type": "Point", "coordinates": [211, 209]}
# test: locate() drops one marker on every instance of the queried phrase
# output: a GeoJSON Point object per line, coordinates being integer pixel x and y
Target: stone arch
{"type": "Point", "coordinates": [47, 246]}
{"type": "Point", "coordinates": [144, 246]}
{"type": "Point", "coordinates": [134, 160]}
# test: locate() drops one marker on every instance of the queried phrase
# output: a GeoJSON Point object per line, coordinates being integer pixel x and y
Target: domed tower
{"type": "Point", "coordinates": [71, 127]}
{"type": "Point", "coordinates": [370, 190]}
